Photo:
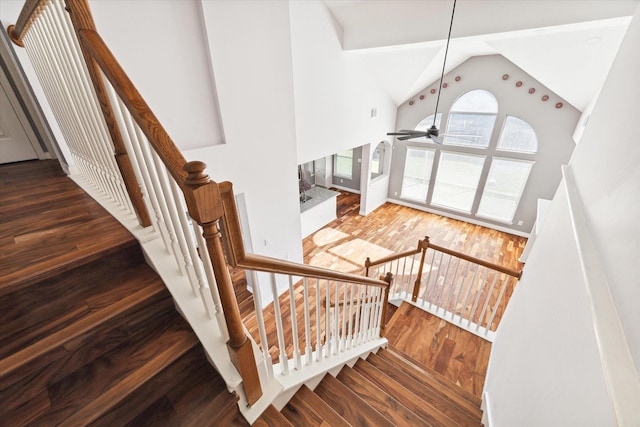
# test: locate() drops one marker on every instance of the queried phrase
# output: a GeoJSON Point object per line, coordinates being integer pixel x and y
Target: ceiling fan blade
{"type": "Point", "coordinates": [398, 133]}
{"type": "Point", "coordinates": [404, 138]}
{"type": "Point", "coordinates": [435, 139]}
{"type": "Point", "coordinates": [411, 131]}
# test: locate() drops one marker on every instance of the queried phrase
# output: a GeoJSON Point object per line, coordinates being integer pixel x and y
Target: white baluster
{"type": "Point", "coordinates": [319, 348]}
{"type": "Point", "coordinates": [478, 295]}
{"type": "Point", "coordinates": [426, 284]}
{"type": "Point", "coordinates": [282, 350]}
{"type": "Point", "coordinates": [505, 282]}
{"type": "Point", "coordinates": [487, 299]}
{"type": "Point", "coordinates": [327, 318]}
{"type": "Point", "coordinates": [307, 320]}
{"type": "Point", "coordinates": [471, 286]}
{"type": "Point", "coordinates": [257, 303]}
{"type": "Point", "coordinates": [294, 325]}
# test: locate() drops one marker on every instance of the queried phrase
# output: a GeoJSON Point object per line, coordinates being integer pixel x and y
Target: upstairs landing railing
{"type": "Point", "coordinates": [464, 290]}
{"type": "Point", "coordinates": [120, 147]}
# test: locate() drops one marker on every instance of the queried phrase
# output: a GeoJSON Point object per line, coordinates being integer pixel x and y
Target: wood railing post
{"type": "Point", "coordinates": [424, 244]}
{"type": "Point", "coordinates": [82, 20]}
{"type": "Point", "coordinates": [205, 207]}
{"type": "Point", "coordinates": [383, 322]}
{"type": "Point", "coordinates": [367, 264]}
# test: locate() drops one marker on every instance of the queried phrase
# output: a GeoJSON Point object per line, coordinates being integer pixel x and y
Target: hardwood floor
{"type": "Point", "coordinates": [345, 243]}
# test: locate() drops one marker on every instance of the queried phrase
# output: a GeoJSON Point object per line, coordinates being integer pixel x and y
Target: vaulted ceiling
{"type": "Point", "coordinates": [567, 45]}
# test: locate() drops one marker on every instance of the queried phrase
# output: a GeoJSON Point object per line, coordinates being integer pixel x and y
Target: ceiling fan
{"type": "Point", "coordinates": [433, 132]}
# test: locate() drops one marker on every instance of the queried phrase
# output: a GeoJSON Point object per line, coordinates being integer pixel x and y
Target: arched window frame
{"type": "Point", "coordinates": [488, 152]}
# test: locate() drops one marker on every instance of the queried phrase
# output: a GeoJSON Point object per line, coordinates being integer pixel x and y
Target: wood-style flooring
{"type": "Point", "coordinates": [89, 333]}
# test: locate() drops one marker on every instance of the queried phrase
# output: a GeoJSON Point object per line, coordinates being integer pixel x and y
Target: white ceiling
{"type": "Point", "coordinates": [566, 45]}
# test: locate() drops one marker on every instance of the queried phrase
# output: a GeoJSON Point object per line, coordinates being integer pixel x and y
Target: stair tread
{"type": "Point", "coordinates": [271, 417]}
{"type": "Point", "coordinates": [199, 398]}
{"type": "Point", "coordinates": [415, 403]}
{"type": "Point", "coordinates": [308, 409]}
{"type": "Point", "coordinates": [381, 401]}
{"type": "Point", "coordinates": [129, 384]}
{"type": "Point", "coordinates": [443, 399]}
{"type": "Point", "coordinates": [36, 311]}
{"type": "Point", "coordinates": [68, 258]}
{"type": "Point", "coordinates": [20, 358]}
{"type": "Point", "coordinates": [99, 361]}
{"type": "Point", "coordinates": [394, 355]}
{"type": "Point", "coordinates": [347, 403]}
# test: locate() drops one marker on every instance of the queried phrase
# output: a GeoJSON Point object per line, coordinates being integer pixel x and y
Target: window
{"type": "Point", "coordinates": [343, 164]}
{"type": "Point", "coordinates": [504, 188]}
{"type": "Point", "coordinates": [417, 173]}
{"type": "Point", "coordinates": [468, 176]}
{"type": "Point", "coordinates": [427, 122]}
{"type": "Point", "coordinates": [472, 117]}
{"type": "Point", "coordinates": [377, 161]}
{"type": "Point", "coordinates": [517, 135]}
{"type": "Point", "coordinates": [457, 180]}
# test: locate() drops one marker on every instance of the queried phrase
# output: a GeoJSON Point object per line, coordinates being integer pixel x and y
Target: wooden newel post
{"type": "Point", "coordinates": [424, 244]}
{"type": "Point", "coordinates": [367, 264]}
{"type": "Point", "coordinates": [383, 322]}
{"type": "Point", "coordinates": [205, 207]}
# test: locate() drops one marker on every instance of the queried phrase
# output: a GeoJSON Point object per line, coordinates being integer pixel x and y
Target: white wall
{"type": "Point", "coordinates": [545, 365]}
{"type": "Point", "coordinates": [162, 46]}
{"type": "Point", "coordinates": [334, 94]}
{"type": "Point", "coordinates": [250, 48]}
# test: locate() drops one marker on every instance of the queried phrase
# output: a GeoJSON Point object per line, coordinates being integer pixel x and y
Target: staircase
{"type": "Point", "coordinates": [89, 333]}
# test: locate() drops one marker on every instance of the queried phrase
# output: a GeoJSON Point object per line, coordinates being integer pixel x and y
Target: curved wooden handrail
{"type": "Point", "coordinates": [237, 257]}
{"type": "Point", "coordinates": [478, 261]}
{"type": "Point", "coordinates": [137, 106]}
{"type": "Point", "coordinates": [369, 263]}
{"type": "Point", "coordinates": [272, 265]}
{"type": "Point", "coordinates": [27, 15]}
{"type": "Point", "coordinates": [423, 244]}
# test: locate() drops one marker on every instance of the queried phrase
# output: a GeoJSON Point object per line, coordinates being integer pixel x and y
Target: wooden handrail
{"type": "Point", "coordinates": [369, 263]}
{"type": "Point", "coordinates": [492, 266]}
{"type": "Point", "coordinates": [135, 103]}
{"type": "Point", "coordinates": [237, 256]}
{"type": "Point", "coordinates": [27, 15]}
{"type": "Point", "coordinates": [423, 244]}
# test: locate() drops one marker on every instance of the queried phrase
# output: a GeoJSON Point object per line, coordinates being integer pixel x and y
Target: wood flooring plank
{"type": "Point", "coordinates": [428, 412]}
{"type": "Point", "coordinates": [347, 403]}
{"type": "Point", "coordinates": [128, 385]}
{"type": "Point", "coordinates": [385, 404]}
{"type": "Point", "coordinates": [445, 400]}
{"type": "Point", "coordinates": [307, 409]}
{"type": "Point", "coordinates": [16, 360]}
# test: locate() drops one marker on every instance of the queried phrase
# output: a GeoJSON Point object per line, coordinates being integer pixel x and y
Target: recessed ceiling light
{"type": "Point", "coordinates": [591, 41]}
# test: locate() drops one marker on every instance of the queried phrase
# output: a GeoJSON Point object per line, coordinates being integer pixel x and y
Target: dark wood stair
{"type": "Point", "coordinates": [90, 334]}
{"type": "Point", "coordinates": [384, 390]}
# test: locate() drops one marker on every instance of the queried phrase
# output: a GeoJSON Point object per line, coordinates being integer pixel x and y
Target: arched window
{"type": "Point", "coordinates": [427, 122]}
{"type": "Point", "coordinates": [517, 135]}
{"type": "Point", "coordinates": [472, 117]}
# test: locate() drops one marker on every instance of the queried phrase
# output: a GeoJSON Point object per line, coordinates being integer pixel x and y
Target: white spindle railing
{"type": "Point", "coordinates": [57, 59]}
{"type": "Point", "coordinates": [325, 318]}
{"type": "Point", "coordinates": [468, 294]}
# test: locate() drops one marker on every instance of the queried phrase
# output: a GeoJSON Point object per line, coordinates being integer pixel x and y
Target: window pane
{"type": "Point", "coordinates": [476, 101]}
{"type": "Point", "coordinates": [457, 181]}
{"type": "Point", "coordinates": [504, 188]}
{"type": "Point", "coordinates": [343, 164]}
{"type": "Point", "coordinates": [417, 172]}
{"type": "Point", "coordinates": [472, 117]}
{"type": "Point", "coordinates": [427, 122]}
{"type": "Point", "coordinates": [475, 129]}
{"type": "Point", "coordinates": [517, 135]}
